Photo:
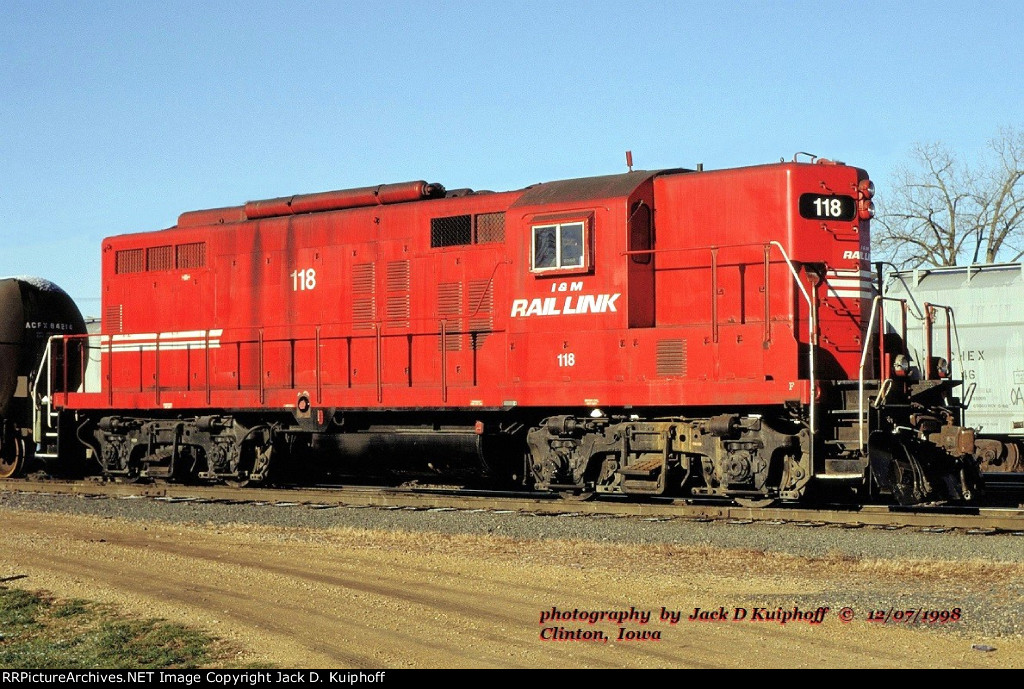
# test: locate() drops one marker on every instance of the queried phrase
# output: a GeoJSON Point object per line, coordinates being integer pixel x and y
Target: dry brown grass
{"type": "Point", "coordinates": [650, 559]}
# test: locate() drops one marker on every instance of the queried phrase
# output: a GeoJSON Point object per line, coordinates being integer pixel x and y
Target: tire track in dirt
{"type": "Point", "coordinates": [356, 600]}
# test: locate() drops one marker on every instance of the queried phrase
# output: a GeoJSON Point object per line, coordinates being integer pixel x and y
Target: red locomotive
{"type": "Point", "coordinates": [675, 332]}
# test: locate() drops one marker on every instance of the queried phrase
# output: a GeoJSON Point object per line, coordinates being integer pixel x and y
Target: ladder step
{"type": "Point", "coordinates": [644, 467]}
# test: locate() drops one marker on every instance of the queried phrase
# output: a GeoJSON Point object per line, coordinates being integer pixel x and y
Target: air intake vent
{"type": "Point", "coordinates": [449, 308]}
{"type": "Point", "coordinates": [398, 276]}
{"type": "Point", "coordinates": [455, 230]}
{"type": "Point", "coordinates": [397, 304]}
{"type": "Point", "coordinates": [398, 311]}
{"type": "Point", "coordinates": [113, 321]}
{"type": "Point", "coordinates": [671, 358]}
{"type": "Point", "coordinates": [364, 302]}
{"type": "Point", "coordinates": [481, 311]}
{"type": "Point", "coordinates": [364, 276]}
{"type": "Point", "coordinates": [490, 227]}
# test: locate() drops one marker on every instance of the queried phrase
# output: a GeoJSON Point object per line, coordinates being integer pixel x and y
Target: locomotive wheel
{"type": "Point", "coordinates": [12, 457]}
{"type": "Point", "coordinates": [904, 482]}
{"type": "Point", "coordinates": [255, 461]}
{"type": "Point", "coordinates": [895, 470]}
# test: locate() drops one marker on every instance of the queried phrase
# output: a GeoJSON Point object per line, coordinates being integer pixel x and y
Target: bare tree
{"type": "Point", "coordinates": [942, 211]}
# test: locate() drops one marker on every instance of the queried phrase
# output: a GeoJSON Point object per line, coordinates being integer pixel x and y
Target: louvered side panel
{"type": "Point", "coordinates": [396, 309]}
{"type": "Point", "coordinates": [449, 308]}
{"type": "Point", "coordinates": [481, 311]}
{"type": "Point", "coordinates": [671, 358]}
{"type": "Point", "coordinates": [113, 319]}
{"type": "Point", "coordinates": [364, 302]}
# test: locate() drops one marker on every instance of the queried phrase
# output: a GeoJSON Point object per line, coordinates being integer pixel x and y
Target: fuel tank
{"type": "Point", "coordinates": [464, 454]}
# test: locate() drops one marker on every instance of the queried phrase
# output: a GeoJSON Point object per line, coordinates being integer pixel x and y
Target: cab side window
{"type": "Point", "coordinates": [559, 246]}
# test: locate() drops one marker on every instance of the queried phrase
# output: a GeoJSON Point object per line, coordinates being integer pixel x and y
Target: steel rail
{"type": "Point", "coordinates": [947, 518]}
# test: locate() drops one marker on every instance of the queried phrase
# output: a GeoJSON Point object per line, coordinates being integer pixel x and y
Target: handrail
{"type": "Point", "coordinates": [33, 389]}
{"type": "Point", "coordinates": [110, 370]}
{"type": "Point", "coordinates": [66, 382]}
{"type": "Point", "coordinates": [875, 310]}
{"type": "Point", "coordinates": [156, 373]}
{"type": "Point", "coordinates": [767, 295]}
{"type": "Point", "coordinates": [812, 335]}
{"type": "Point", "coordinates": [714, 294]}
{"type": "Point", "coordinates": [929, 316]}
{"type": "Point", "coordinates": [262, 368]}
{"type": "Point", "coordinates": [262, 337]}
{"type": "Point", "coordinates": [209, 387]}
{"type": "Point", "coordinates": [677, 249]}
{"type": "Point", "coordinates": [319, 381]}
{"type": "Point", "coordinates": [378, 353]}
{"type": "Point", "coordinates": [444, 360]}
{"type": "Point", "coordinates": [714, 248]}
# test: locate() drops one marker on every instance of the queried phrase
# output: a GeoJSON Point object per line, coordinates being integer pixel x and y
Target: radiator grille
{"type": "Point", "coordinates": [191, 255]}
{"type": "Point", "coordinates": [160, 258]}
{"type": "Point", "coordinates": [129, 261]}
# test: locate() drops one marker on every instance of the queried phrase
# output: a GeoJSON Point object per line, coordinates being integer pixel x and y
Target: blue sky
{"type": "Point", "coordinates": [117, 116]}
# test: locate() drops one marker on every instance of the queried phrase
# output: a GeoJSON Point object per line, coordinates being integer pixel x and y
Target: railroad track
{"type": "Point", "coordinates": [968, 520]}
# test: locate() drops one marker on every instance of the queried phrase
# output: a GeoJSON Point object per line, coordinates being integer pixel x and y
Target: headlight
{"type": "Point", "coordinates": [901, 366]}
{"type": "Point", "coordinates": [941, 367]}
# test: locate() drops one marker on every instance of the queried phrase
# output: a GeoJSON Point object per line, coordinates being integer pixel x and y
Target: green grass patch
{"type": "Point", "coordinates": [40, 632]}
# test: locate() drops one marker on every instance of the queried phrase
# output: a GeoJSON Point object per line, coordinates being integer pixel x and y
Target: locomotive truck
{"type": "Point", "coordinates": [666, 332]}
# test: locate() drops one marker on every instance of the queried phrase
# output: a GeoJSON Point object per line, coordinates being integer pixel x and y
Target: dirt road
{"type": "Point", "coordinates": [351, 598]}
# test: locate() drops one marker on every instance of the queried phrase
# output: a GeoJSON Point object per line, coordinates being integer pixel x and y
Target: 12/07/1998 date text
{"type": "Point", "coordinates": [915, 615]}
